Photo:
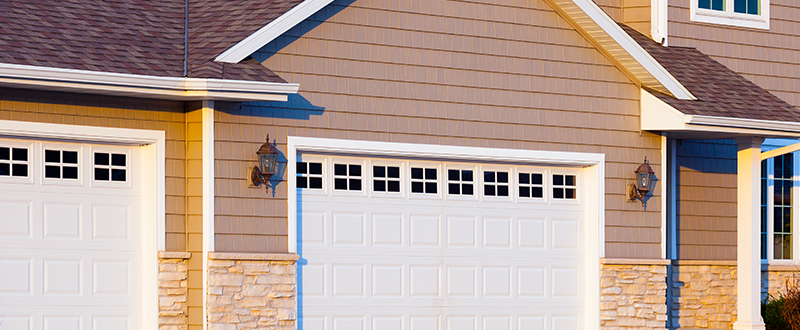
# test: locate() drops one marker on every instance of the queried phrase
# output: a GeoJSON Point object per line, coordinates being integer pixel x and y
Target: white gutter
{"type": "Point", "coordinates": [170, 88]}
{"type": "Point", "coordinates": [771, 125]}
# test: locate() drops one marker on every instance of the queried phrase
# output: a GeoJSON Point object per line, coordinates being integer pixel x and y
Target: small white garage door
{"type": "Point", "coordinates": [394, 244]}
{"type": "Point", "coordinates": [70, 245]}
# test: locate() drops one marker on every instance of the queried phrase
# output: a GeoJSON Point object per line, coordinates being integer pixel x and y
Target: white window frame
{"type": "Point", "coordinates": [729, 17]}
{"type": "Point", "coordinates": [770, 163]}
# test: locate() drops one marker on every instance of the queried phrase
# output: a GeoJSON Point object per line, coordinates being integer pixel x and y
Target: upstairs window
{"type": "Point", "coordinates": [742, 13]}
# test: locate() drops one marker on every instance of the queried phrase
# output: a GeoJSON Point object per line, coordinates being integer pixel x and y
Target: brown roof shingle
{"type": "Point", "coordinates": [135, 36]}
{"type": "Point", "coordinates": [720, 91]}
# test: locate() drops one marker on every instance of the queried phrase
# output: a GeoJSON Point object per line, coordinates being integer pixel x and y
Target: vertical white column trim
{"type": "Point", "coordinates": [664, 181]}
{"type": "Point", "coordinates": [673, 199]}
{"type": "Point", "coordinates": [748, 299]}
{"type": "Point", "coordinates": [208, 197]}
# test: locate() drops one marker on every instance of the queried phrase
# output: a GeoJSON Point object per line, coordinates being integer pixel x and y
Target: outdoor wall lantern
{"type": "Point", "coordinates": [267, 157]}
{"type": "Point", "coordinates": [644, 181]}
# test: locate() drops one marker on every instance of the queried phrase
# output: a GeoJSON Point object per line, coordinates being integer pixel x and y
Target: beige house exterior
{"type": "Point", "coordinates": [514, 129]}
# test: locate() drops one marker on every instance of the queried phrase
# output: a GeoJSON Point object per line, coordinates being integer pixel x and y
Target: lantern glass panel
{"type": "Point", "coordinates": [644, 180]}
{"type": "Point", "coordinates": [264, 162]}
{"type": "Point", "coordinates": [273, 158]}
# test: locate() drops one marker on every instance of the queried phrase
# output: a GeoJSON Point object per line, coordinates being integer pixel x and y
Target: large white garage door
{"type": "Point", "coordinates": [70, 245]}
{"type": "Point", "coordinates": [393, 244]}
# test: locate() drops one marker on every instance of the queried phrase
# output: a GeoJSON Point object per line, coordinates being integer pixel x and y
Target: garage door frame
{"type": "Point", "coordinates": [153, 213]}
{"type": "Point", "coordinates": [593, 165]}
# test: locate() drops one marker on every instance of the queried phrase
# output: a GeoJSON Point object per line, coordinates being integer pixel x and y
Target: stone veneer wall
{"type": "Point", "coordinates": [633, 294]}
{"type": "Point", "coordinates": [704, 292]}
{"type": "Point", "coordinates": [252, 291]}
{"type": "Point", "coordinates": [172, 290]}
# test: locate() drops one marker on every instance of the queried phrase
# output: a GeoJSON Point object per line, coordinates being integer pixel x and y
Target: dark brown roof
{"type": "Point", "coordinates": [720, 91]}
{"type": "Point", "coordinates": [135, 36]}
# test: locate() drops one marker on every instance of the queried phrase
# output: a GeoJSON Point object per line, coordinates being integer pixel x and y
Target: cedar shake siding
{"type": "Point", "coordinates": [107, 111]}
{"type": "Point", "coordinates": [634, 13]}
{"type": "Point", "coordinates": [500, 74]}
{"type": "Point", "coordinates": [706, 200]}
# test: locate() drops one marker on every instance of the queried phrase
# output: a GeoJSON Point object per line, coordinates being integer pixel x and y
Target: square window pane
{"type": "Point", "coordinates": [5, 169]}
{"type": "Point", "coordinates": [570, 180]}
{"type": "Point", "coordinates": [488, 190]}
{"type": "Point", "coordinates": [537, 192]}
{"type": "Point", "coordinates": [416, 173]}
{"type": "Point", "coordinates": [315, 183]}
{"type": "Point", "coordinates": [524, 192]}
{"type": "Point", "coordinates": [101, 174]}
{"type": "Point", "coordinates": [466, 189]}
{"type": "Point", "coordinates": [393, 172]}
{"type": "Point", "coordinates": [340, 169]}
{"type": "Point", "coordinates": [466, 175]}
{"type": "Point", "coordinates": [430, 174]}
{"type": "Point", "coordinates": [5, 154]}
{"type": "Point", "coordinates": [355, 170]}
{"type": "Point", "coordinates": [502, 191]}
{"type": "Point", "coordinates": [302, 168]}
{"type": "Point", "coordinates": [502, 177]}
{"type": "Point", "coordinates": [379, 185]}
{"type": "Point", "coordinates": [315, 168]}
{"type": "Point", "coordinates": [570, 193]}
{"type": "Point", "coordinates": [394, 186]}
{"type": "Point", "coordinates": [20, 154]}
{"type": "Point", "coordinates": [355, 184]}
{"type": "Point", "coordinates": [69, 172]}
{"type": "Point", "coordinates": [558, 180]}
{"type": "Point", "coordinates": [19, 170]}
{"type": "Point", "coordinates": [536, 178]}
{"type": "Point", "coordinates": [340, 184]}
{"type": "Point", "coordinates": [52, 156]}
{"type": "Point", "coordinates": [118, 159]}
{"type": "Point", "coordinates": [431, 188]}
{"type": "Point", "coordinates": [718, 4]}
{"type": "Point", "coordinates": [488, 177]}
{"type": "Point", "coordinates": [705, 4]}
{"type": "Point", "coordinates": [70, 157]}
{"type": "Point", "coordinates": [302, 182]}
{"type": "Point", "coordinates": [753, 7]}
{"type": "Point", "coordinates": [524, 178]}
{"type": "Point", "coordinates": [453, 175]}
{"type": "Point", "coordinates": [740, 6]}
{"type": "Point", "coordinates": [379, 171]}
{"type": "Point", "coordinates": [417, 187]}
{"type": "Point", "coordinates": [118, 175]}
{"type": "Point", "coordinates": [53, 172]}
{"type": "Point", "coordinates": [101, 159]}
{"type": "Point", "coordinates": [454, 189]}
{"type": "Point", "coordinates": [558, 193]}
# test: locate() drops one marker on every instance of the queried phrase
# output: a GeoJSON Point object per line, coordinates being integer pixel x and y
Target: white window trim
{"type": "Point", "coordinates": [593, 182]}
{"type": "Point", "coordinates": [771, 144]}
{"type": "Point", "coordinates": [153, 188]}
{"type": "Point", "coordinates": [729, 17]}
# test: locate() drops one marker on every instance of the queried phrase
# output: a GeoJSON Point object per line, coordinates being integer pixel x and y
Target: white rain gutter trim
{"type": "Point", "coordinates": [271, 31]}
{"type": "Point", "coordinates": [609, 35]}
{"type": "Point", "coordinates": [170, 88]}
{"type": "Point", "coordinates": [770, 125]}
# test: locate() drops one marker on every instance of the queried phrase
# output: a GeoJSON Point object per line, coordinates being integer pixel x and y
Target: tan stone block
{"type": "Point", "coordinates": [220, 263]}
{"type": "Point", "coordinates": [226, 279]}
{"type": "Point", "coordinates": [251, 302]}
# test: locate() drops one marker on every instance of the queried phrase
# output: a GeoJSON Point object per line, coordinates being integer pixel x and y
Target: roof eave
{"type": "Point", "coordinates": [144, 86]}
{"type": "Point", "coordinates": [658, 116]}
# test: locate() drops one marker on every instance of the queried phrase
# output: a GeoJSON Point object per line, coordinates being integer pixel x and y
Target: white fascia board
{"type": "Point", "coordinates": [767, 125]}
{"type": "Point", "coordinates": [598, 25]}
{"type": "Point", "coordinates": [170, 88]}
{"type": "Point", "coordinates": [269, 32]}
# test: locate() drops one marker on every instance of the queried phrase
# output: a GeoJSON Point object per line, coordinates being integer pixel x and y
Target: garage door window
{"type": "Point", "coordinates": [61, 164]}
{"type": "Point", "coordinates": [386, 178]}
{"type": "Point", "coordinates": [424, 180]}
{"type": "Point", "coordinates": [110, 167]}
{"type": "Point", "coordinates": [564, 186]}
{"type": "Point", "coordinates": [531, 185]}
{"type": "Point", "coordinates": [13, 162]}
{"type": "Point", "coordinates": [309, 175]}
{"type": "Point", "coordinates": [347, 177]}
{"type": "Point", "coordinates": [460, 182]}
{"type": "Point", "coordinates": [495, 184]}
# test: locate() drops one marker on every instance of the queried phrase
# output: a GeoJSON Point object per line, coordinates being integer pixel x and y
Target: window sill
{"type": "Point", "coordinates": [737, 20]}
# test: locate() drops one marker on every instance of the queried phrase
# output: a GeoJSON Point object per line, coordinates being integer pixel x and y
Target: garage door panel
{"type": "Point", "coordinates": [16, 276]}
{"type": "Point", "coordinates": [61, 221]}
{"type": "Point", "coordinates": [438, 261]}
{"type": "Point", "coordinates": [16, 219]}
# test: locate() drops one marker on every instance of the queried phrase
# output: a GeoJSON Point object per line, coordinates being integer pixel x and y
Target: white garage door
{"type": "Point", "coordinates": [70, 245]}
{"type": "Point", "coordinates": [392, 244]}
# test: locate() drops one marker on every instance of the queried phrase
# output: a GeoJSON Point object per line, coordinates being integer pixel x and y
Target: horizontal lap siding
{"type": "Point", "coordinates": [770, 59]}
{"type": "Point", "coordinates": [438, 72]}
{"type": "Point", "coordinates": [91, 110]}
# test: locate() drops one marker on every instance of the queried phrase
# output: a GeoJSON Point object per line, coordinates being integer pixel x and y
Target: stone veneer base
{"type": "Point", "coordinates": [172, 290]}
{"type": "Point", "coordinates": [633, 294]}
